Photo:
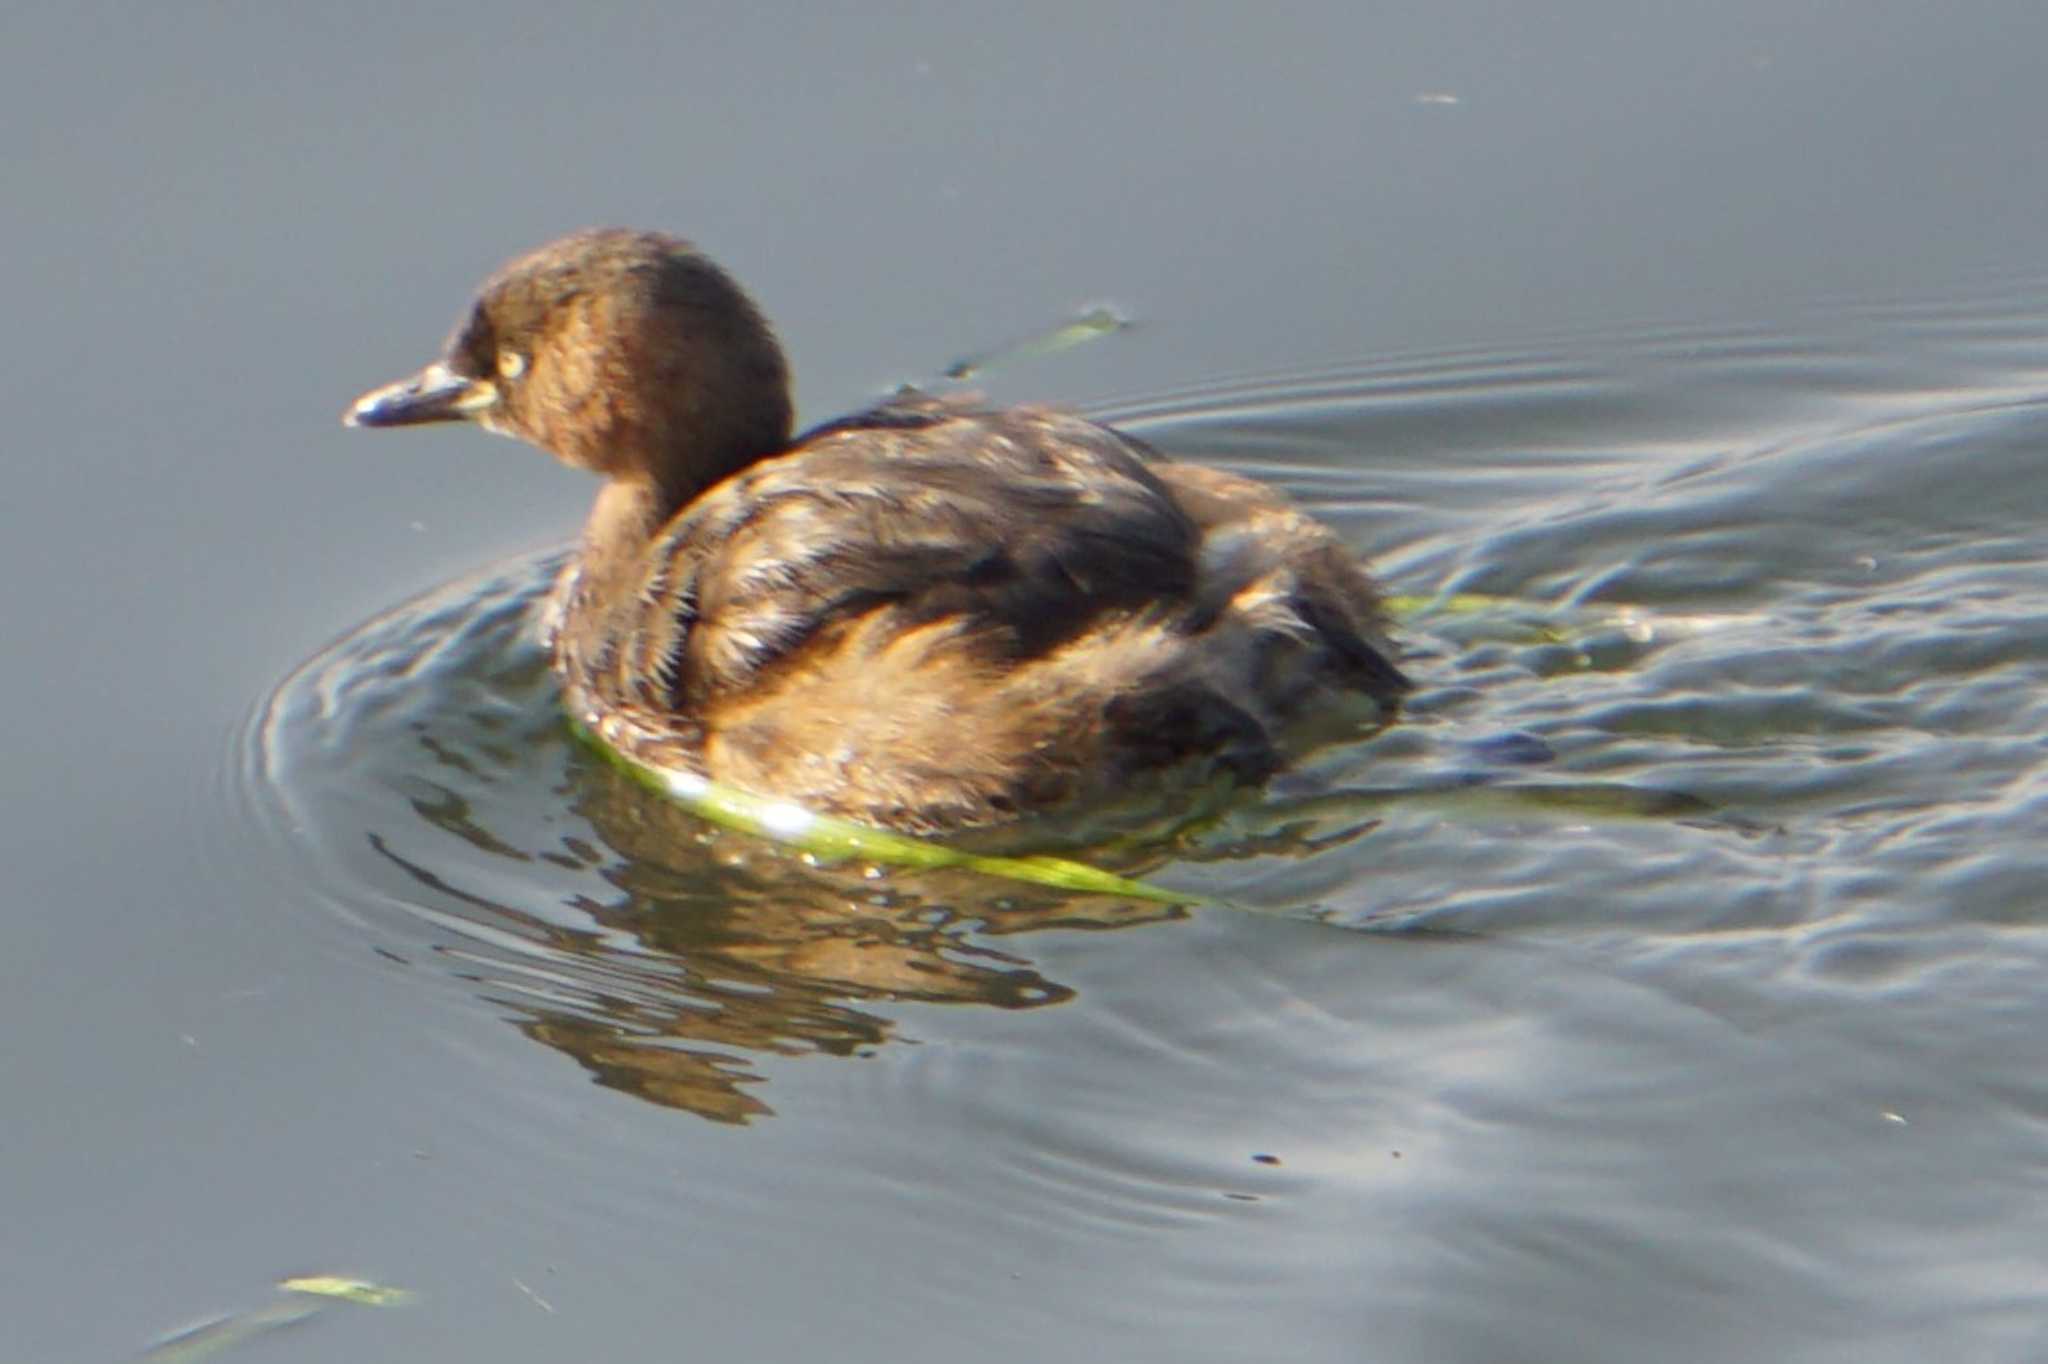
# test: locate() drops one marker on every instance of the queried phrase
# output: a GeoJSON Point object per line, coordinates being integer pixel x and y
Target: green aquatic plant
{"type": "Point", "coordinates": [833, 840]}
{"type": "Point", "coordinates": [212, 1336]}
{"type": "Point", "coordinates": [1090, 325]}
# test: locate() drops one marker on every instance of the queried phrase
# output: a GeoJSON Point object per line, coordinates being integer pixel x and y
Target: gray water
{"type": "Point", "coordinates": [1667, 984]}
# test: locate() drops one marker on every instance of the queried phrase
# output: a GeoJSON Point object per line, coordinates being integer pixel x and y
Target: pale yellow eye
{"type": "Point", "coordinates": [511, 364]}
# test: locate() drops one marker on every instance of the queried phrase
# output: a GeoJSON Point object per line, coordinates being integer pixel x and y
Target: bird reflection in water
{"type": "Point", "coordinates": [712, 948]}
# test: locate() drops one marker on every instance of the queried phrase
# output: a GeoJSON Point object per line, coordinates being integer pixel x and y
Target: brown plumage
{"type": "Point", "coordinates": [926, 616]}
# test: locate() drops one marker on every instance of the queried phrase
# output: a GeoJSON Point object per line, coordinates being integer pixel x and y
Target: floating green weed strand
{"type": "Point", "coordinates": [1096, 322]}
{"type": "Point", "coordinates": [834, 839]}
{"type": "Point", "coordinates": [1474, 607]}
{"type": "Point", "coordinates": [222, 1333]}
{"type": "Point", "coordinates": [1453, 604]}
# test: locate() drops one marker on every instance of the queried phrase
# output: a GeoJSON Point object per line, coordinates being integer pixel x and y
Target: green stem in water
{"type": "Point", "coordinates": [834, 839]}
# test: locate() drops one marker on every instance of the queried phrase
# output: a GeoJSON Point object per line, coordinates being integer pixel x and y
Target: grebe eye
{"type": "Point", "coordinates": [511, 364]}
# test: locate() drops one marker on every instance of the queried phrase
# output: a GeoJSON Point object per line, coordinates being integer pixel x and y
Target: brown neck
{"type": "Point", "coordinates": [640, 495]}
{"type": "Point", "coordinates": [625, 517]}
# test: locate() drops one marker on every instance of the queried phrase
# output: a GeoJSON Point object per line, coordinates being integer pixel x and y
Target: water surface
{"type": "Point", "coordinates": [1665, 985]}
{"type": "Point", "coordinates": [1677, 949]}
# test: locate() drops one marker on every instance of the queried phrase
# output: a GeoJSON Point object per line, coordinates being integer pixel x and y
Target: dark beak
{"type": "Point", "coordinates": [435, 394]}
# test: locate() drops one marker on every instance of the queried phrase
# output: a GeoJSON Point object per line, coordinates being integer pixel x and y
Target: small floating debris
{"type": "Point", "coordinates": [210, 1337]}
{"type": "Point", "coordinates": [349, 1290]}
{"type": "Point", "coordinates": [1095, 322]}
{"type": "Point", "coordinates": [538, 1301]}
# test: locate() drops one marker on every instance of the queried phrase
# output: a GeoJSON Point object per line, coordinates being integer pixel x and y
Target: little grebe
{"type": "Point", "coordinates": [926, 616]}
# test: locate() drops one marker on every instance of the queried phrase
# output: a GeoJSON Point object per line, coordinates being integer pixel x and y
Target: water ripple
{"type": "Point", "coordinates": [1765, 672]}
